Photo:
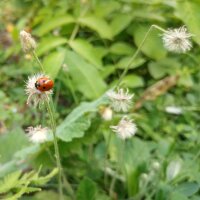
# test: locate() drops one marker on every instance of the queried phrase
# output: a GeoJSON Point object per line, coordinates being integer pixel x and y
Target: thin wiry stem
{"type": "Point", "coordinates": [57, 154]}
{"type": "Point", "coordinates": [53, 126]}
{"type": "Point", "coordinates": [38, 60]}
{"type": "Point", "coordinates": [137, 52]}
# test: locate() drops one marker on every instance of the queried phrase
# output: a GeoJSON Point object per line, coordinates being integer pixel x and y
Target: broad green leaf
{"type": "Point", "coordinates": [85, 77]}
{"type": "Point", "coordinates": [97, 24]}
{"type": "Point", "coordinates": [86, 50]}
{"type": "Point", "coordinates": [53, 62]}
{"type": "Point", "coordinates": [104, 8]}
{"type": "Point", "coordinates": [48, 44]}
{"type": "Point", "coordinates": [162, 67]}
{"type": "Point", "coordinates": [120, 22]}
{"type": "Point", "coordinates": [153, 46]}
{"type": "Point", "coordinates": [188, 188]}
{"type": "Point", "coordinates": [76, 118]}
{"type": "Point", "coordinates": [157, 71]}
{"type": "Point", "coordinates": [53, 23]}
{"type": "Point", "coordinates": [189, 13]}
{"type": "Point", "coordinates": [133, 81]}
{"type": "Point", "coordinates": [75, 129]}
{"type": "Point", "coordinates": [87, 190]}
{"type": "Point", "coordinates": [121, 48]}
{"type": "Point", "coordinates": [15, 140]}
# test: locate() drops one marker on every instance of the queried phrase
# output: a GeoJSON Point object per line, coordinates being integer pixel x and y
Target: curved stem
{"type": "Point", "coordinates": [137, 51]}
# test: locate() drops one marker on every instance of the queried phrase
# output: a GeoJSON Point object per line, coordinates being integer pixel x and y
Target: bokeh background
{"type": "Point", "coordinates": [85, 46]}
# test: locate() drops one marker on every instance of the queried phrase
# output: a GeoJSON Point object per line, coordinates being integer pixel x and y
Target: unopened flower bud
{"type": "Point", "coordinates": [27, 42]}
{"type": "Point", "coordinates": [106, 113]}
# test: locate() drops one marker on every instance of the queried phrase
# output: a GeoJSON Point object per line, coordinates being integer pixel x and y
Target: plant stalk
{"type": "Point", "coordinates": [53, 126]}
{"type": "Point", "coordinates": [137, 52]}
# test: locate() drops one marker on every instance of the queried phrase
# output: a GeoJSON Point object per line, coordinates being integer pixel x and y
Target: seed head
{"type": "Point", "coordinates": [34, 95]}
{"type": "Point", "coordinates": [120, 100]}
{"type": "Point", "coordinates": [125, 128]}
{"type": "Point", "coordinates": [37, 134]}
{"type": "Point", "coordinates": [27, 42]}
{"type": "Point", "coordinates": [177, 40]}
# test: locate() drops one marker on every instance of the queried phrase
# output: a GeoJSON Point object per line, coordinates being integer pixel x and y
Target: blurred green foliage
{"type": "Point", "coordinates": [84, 46]}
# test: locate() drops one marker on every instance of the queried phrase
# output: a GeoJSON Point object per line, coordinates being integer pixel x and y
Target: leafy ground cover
{"type": "Point", "coordinates": [85, 47]}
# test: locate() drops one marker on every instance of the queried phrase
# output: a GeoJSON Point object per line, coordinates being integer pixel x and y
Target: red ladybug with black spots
{"type": "Point", "coordinates": [44, 84]}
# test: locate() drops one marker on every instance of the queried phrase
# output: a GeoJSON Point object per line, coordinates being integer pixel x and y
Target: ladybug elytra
{"type": "Point", "coordinates": [44, 84]}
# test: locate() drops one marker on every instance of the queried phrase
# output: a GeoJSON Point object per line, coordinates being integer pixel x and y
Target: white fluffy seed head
{"type": "Point", "coordinates": [37, 134]}
{"type": "Point", "coordinates": [27, 42]}
{"type": "Point", "coordinates": [35, 95]}
{"type": "Point", "coordinates": [120, 100]}
{"type": "Point", "coordinates": [125, 128]}
{"type": "Point", "coordinates": [177, 40]}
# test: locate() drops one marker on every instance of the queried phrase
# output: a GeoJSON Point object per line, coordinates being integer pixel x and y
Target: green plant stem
{"type": "Point", "coordinates": [137, 52]}
{"type": "Point", "coordinates": [120, 166]}
{"type": "Point", "coordinates": [57, 155]}
{"type": "Point", "coordinates": [38, 60]}
{"type": "Point", "coordinates": [53, 126]}
{"type": "Point", "coordinates": [105, 158]}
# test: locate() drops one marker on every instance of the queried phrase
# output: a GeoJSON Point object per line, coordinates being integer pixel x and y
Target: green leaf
{"type": "Point", "coordinates": [162, 67]}
{"type": "Point", "coordinates": [104, 8]}
{"type": "Point", "coordinates": [48, 44]}
{"type": "Point", "coordinates": [53, 62]}
{"type": "Point", "coordinates": [53, 23]}
{"type": "Point", "coordinates": [75, 129]}
{"type": "Point", "coordinates": [188, 189]}
{"type": "Point", "coordinates": [178, 196]}
{"type": "Point", "coordinates": [87, 190]}
{"type": "Point", "coordinates": [120, 22]}
{"type": "Point", "coordinates": [85, 77]}
{"type": "Point", "coordinates": [10, 181]}
{"type": "Point", "coordinates": [133, 81]}
{"type": "Point", "coordinates": [15, 140]}
{"type": "Point", "coordinates": [121, 48]}
{"type": "Point", "coordinates": [189, 13]}
{"type": "Point", "coordinates": [97, 24]}
{"type": "Point", "coordinates": [44, 179]}
{"type": "Point", "coordinates": [76, 122]}
{"type": "Point", "coordinates": [153, 46]}
{"type": "Point", "coordinates": [86, 50]}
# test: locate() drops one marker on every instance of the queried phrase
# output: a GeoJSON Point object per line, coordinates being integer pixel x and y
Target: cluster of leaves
{"type": "Point", "coordinates": [20, 184]}
{"type": "Point", "coordinates": [84, 46]}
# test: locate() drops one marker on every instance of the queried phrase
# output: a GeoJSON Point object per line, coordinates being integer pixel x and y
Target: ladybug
{"type": "Point", "coordinates": [44, 84]}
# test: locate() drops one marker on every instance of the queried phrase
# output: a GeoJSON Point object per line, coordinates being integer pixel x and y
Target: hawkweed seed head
{"type": "Point", "coordinates": [34, 95]}
{"type": "Point", "coordinates": [120, 100]}
{"type": "Point", "coordinates": [177, 40]}
{"type": "Point", "coordinates": [27, 42]}
{"type": "Point", "coordinates": [125, 128]}
{"type": "Point", "coordinates": [106, 113]}
{"type": "Point", "coordinates": [37, 134]}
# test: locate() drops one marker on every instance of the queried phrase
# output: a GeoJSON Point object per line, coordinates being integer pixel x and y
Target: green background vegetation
{"type": "Point", "coordinates": [84, 46]}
